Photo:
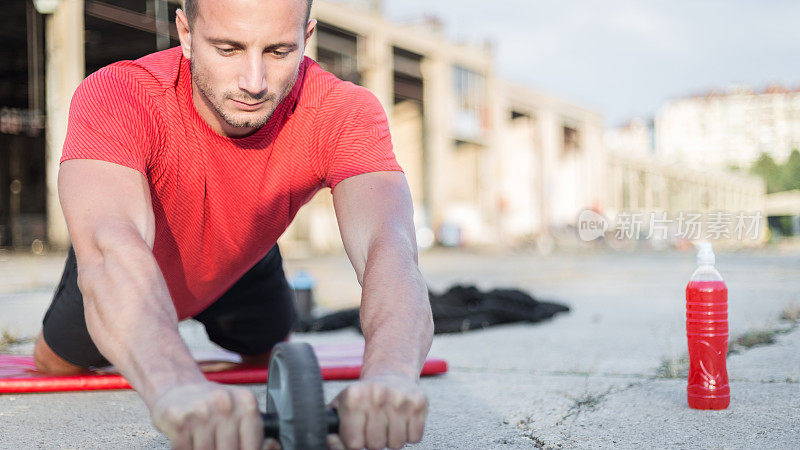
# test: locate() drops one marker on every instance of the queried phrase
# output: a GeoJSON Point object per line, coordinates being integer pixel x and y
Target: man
{"type": "Point", "coordinates": [179, 172]}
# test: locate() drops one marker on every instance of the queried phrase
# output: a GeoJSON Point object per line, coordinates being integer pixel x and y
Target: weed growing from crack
{"type": "Point", "coordinates": [588, 401]}
{"type": "Point", "coordinates": [791, 313]}
{"type": "Point", "coordinates": [752, 338]}
{"type": "Point", "coordinates": [9, 338]}
{"type": "Point", "coordinates": [679, 368]}
{"type": "Point", "coordinates": [674, 368]}
{"type": "Point", "coordinates": [755, 338]}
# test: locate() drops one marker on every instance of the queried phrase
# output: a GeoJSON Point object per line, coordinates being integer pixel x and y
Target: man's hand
{"type": "Point", "coordinates": [381, 411]}
{"type": "Point", "coordinates": [208, 415]}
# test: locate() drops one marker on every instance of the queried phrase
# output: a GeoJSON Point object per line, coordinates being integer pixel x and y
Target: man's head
{"type": "Point", "coordinates": [190, 9]}
{"type": "Point", "coordinates": [245, 56]}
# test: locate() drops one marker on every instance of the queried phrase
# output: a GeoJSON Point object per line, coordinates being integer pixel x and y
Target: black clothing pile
{"type": "Point", "coordinates": [460, 308]}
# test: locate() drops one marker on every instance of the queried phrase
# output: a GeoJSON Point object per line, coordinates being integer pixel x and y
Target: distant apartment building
{"type": "Point", "coordinates": [729, 128]}
{"type": "Point", "coordinates": [660, 189]}
{"type": "Point", "coordinates": [634, 138]}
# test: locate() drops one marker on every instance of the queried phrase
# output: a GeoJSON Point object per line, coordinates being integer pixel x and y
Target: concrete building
{"type": "Point", "coordinates": [23, 193]}
{"type": "Point", "coordinates": [548, 163]}
{"type": "Point", "coordinates": [436, 95]}
{"type": "Point", "coordinates": [488, 162]}
{"type": "Point", "coordinates": [730, 127]}
{"type": "Point", "coordinates": [47, 47]}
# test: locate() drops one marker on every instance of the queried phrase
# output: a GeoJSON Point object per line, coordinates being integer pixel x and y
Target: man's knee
{"type": "Point", "coordinates": [256, 360]}
{"type": "Point", "coordinates": [261, 359]}
{"type": "Point", "coordinates": [48, 362]}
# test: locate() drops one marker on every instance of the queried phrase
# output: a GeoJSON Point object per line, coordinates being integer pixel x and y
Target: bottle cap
{"type": "Point", "coordinates": [705, 254]}
{"type": "Point", "coordinates": [302, 280]}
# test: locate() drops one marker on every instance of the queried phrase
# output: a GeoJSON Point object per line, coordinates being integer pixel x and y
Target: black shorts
{"type": "Point", "coordinates": [253, 315]}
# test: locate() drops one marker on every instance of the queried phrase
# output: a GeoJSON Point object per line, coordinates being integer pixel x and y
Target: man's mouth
{"type": "Point", "coordinates": [249, 105]}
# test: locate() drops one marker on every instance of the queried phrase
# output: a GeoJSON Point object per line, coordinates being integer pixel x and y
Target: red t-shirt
{"type": "Point", "coordinates": [220, 204]}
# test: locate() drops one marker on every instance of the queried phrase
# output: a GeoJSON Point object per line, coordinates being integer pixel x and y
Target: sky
{"type": "Point", "coordinates": [626, 58]}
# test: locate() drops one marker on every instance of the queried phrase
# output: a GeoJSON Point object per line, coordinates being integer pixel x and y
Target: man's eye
{"type": "Point", "coordinates": [226, 51]}
{"type": "Point", "coordinates": [277, 53]}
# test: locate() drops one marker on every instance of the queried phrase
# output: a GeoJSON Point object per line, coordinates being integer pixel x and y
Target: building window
{"type": "Point", "coordinates": [408, 84]}
{"type": "Point", "coordinates": [470, 96]}
{"type": "Point", "coordinates": [519, 115]}
{"type": "Point", "coordinates": [337, 52]}
{"type": "Point", "coordinates": [572, 140]}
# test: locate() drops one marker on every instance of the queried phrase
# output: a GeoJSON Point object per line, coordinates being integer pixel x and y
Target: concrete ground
{"type": "Point", "coordinates": [606, 374]}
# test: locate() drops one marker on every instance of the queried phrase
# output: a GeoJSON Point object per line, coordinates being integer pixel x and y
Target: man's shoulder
{"type": "Point", "coordinates": [153, 74]}
{"type": "Point", "coordinates": [162, 68]}
{"type": "Point", "coordinates": [323, 90]}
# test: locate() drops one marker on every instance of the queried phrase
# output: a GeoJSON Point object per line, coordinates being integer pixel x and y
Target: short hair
{"type": "Point", "coordinates": [190, 9]}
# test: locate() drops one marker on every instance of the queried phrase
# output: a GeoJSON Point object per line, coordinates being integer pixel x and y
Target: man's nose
{"type": "Point", "coordinates": [253, 79]}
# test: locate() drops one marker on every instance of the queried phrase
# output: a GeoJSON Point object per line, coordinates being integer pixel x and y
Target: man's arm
{"type": "Point", "coordinates": [129, 312]}
{"type": "Point", "coordinates": [375, 218]}
{"type": "Point", "coordinates": [127, 306]}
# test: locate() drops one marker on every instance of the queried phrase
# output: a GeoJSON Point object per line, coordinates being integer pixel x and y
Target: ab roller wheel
{"type": "Point", "coordinates": [296, 413]}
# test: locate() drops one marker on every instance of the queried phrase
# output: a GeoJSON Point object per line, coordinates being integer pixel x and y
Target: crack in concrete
{"type": "Point", "coordinates": [589, 402]}
{"type": "Point", "coordinates": [583, 403]}
{"type": "Point", "coordinates": [525, 426]}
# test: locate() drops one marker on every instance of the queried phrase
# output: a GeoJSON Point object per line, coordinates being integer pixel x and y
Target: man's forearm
{"type": "Point", "coordinates": [131, 318]}
{"type": "Point", "coordinates": [395, 312]}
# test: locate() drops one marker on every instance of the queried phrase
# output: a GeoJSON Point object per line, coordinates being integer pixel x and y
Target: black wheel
{"type": "Point", "coordinates": [294, 395]}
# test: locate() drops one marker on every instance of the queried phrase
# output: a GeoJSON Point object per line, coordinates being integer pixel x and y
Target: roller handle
{"type": "Point", "coordinates": [332, 418]}
{"type": "Point", "coordinates": [272, 427]}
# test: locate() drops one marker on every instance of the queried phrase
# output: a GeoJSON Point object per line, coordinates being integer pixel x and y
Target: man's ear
{"type": "Point", "coordinates": [184, 33]}
{"type": "Point", "coordinates": [312, 25]}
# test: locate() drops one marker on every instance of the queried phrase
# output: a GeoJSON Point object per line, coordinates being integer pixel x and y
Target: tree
{"type": "Point", "coordinates": [769, 171]}
{"type": "Point", "coordinates": [778, 178]}
{"type": "Point", "coordinates": [790, 172]}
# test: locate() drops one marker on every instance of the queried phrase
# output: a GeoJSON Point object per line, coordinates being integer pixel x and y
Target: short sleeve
{"type": "Point", "coordinates": [112, 119]}
{"type": "Point", "coordinates": [353, 135]}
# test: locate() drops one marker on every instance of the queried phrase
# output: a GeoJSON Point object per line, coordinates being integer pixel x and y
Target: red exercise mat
{"type": "Point", "coordinates": [337, 362]}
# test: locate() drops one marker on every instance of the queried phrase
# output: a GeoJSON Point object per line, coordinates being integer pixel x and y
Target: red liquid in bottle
{"type": "Point", "coordinates": [707, 335]}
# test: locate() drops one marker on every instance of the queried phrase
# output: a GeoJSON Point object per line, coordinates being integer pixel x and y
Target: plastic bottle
{"type": "Point", "coordinates": [707, 334]}
{"type": "Point", "coordinates": [303, 287]}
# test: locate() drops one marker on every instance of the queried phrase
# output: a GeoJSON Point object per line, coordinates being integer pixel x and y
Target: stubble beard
{"type": "Point", "coordinates": [203, 85]}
